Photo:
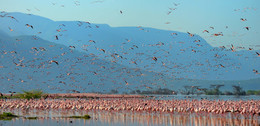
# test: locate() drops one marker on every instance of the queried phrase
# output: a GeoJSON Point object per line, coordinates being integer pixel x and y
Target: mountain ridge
{"type": "Point", "coordinates": [181, 55]}
{"type": "Point", "coordinates": [30, 67]}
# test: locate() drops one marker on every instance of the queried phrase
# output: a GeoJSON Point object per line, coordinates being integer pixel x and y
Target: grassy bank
{"type": "Point", "coordinates": [7, 116]}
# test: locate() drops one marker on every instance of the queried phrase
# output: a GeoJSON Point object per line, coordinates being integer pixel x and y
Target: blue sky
{"type": "Point", "coordinates": [192, 16]}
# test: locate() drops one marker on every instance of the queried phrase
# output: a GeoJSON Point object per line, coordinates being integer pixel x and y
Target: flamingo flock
{"type": "Point", "coordinates": [248, 108]}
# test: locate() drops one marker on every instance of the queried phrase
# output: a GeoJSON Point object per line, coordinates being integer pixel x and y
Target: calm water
{"type": "Point", "coordinates": [103, 118]}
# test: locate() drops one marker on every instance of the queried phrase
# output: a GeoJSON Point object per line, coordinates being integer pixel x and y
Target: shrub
{"type": "Point", "coordinates": [33, 94]}
{"type": "Point", "coordinates": [7, 116]}
{"type": "Point", "coordinates": [253, 92]}
{"type": "Point", "coordinates": [81, 117]}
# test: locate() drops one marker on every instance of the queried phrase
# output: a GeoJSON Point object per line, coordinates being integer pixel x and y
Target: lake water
{"type": "Point", "coordinates": [104, 118]}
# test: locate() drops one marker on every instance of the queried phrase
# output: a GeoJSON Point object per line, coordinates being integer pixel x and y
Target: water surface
{"type": "Point", "coordinates": [105, 118]}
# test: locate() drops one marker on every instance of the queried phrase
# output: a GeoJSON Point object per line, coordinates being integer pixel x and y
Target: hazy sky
{"type": "Point", "coordinates": [192, 16]}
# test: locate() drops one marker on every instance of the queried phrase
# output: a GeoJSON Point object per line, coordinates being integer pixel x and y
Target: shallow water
{"type": "Point", "coordinates": [105, 118]}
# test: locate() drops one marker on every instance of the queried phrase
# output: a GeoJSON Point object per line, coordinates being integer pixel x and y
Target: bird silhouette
{"type": "Point", "coordinates": [258, 54]}
{"type": "Point", "coordinates": [206, 31]}
{"type": "Point", "coordinates": [72, 47]}
{"type": "Point", "coordinates": [10, 29]}
{"type": "Point", "coordinates": [243, 19]}
{"type": "Point", "coordinates": [29, 26]}
{"type": "Point", "coordinates": [247, 28]}
{"type": "Point", "coordinates": [53, 61]}
{"type": "Point", "coordinates": [222, 65]}
{"type": "Point", "coordinates": [154, 58]}
{"type": "Point", "coordinates": [103, 50]}
{"type": "Point", "coordinates": [191, 35]}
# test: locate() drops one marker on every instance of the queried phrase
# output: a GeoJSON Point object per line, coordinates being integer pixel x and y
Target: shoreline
{"type": "Point", "coordinates": [84, 95]}
{"type": "Point", "coordinates": [94, 95]}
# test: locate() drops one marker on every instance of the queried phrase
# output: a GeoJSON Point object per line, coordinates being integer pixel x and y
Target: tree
{"type": "Point", "coordinates": [237, 90]}
{"type": "Point", "coordinates": [113, 91]}
{"type": "Point", "coordinates": [215, 89]}
{"type": "Point", "coordinates": [190, 90]}
{"type": "Point", "coordinates": [138, 91]}
{"type": "Point", "coordinates": [186, 90]}
{"type": "Point", "coordinates": [132, 92]}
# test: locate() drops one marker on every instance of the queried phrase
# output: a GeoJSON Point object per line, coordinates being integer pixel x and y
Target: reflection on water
{"type": "Point", "coordinates": [129, 118]}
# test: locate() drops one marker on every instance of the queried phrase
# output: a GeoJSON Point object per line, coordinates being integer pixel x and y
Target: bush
{"type": "Point", "coordinates": [31, 118]}
{"type": "Point", "coordinates": [81, 117]}
{"type": "Point", "coordinates": [253, 92]}
{"type": "Point", "coordinates": [213, 92]}
{"type": "Point", "coordinates": [7, 116]}
{"type": "Point", "coordinates": [33, 94]}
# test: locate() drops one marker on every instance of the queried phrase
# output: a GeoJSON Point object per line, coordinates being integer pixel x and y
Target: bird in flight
{"type": "Point", "coordinates": [232, 48]}
{"type": "Point", "coordinates": [72, 47]}
{"type": "Point", "coordinates": [13, 18]}
{"type": "Point", "coordinates": [173, 33]}
{"type": "Point", "coordinates": [11, 29]}
{"type": "Point", "coordinates": [255, 71]}
{"type": "Point", "coordinates": [121, 12]}
{"type": "Point", "coordinates": [29, 26]}
{"type": "Point", "coordinates": [222, 65]}
{"type": "Point", "coordinates": [258, 54]}
{"type": "Point", "coordinates": [191, 35]}
{"type": "Point", "coordinates": [247, 28]}
{"type": "Point", "coordinates": [206, 31]}
{"type": "Point", "coordinates": [154, 58]}
{"type": "Point", "coordinates": [53, 61]}
{"type": "Point", "coordinates": [103, 50]}
{"type": "Point", "coordinates": [92, 41]}
{"type": "Point", "coordinates": [218, 34]}
{"type": "Point", "coordinates": [126, 83]}
{"type": "Point", "coordinates": [243, 19]}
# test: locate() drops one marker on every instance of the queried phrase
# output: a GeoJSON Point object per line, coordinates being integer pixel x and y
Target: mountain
{"type": "Point", "coordinates": [26, 64]}
{"type": "Point", "coordinates": [180, 55]}
{"type": "Point", "coordinates": [99, 57]}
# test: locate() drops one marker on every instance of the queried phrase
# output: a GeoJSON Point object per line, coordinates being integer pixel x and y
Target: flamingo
{"type": "Point", "coordinates": [154, 58]}
{"type": "Point", "coordinates": [205, 31]}
{"type": "Point", "coordinates": [243, 19]}
{"type": "Point", "coordinates": [29, 26]}
{"type": "Point", "coordinates": [53, 61]}
{"type": "Point", "coordinates": [247, 28]}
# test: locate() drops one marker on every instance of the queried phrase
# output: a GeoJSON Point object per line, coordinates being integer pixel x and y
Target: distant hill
{"type": "Point", "coordinates": [98, 57]}
{"type": "Point", "coordinates": [26, 64]}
